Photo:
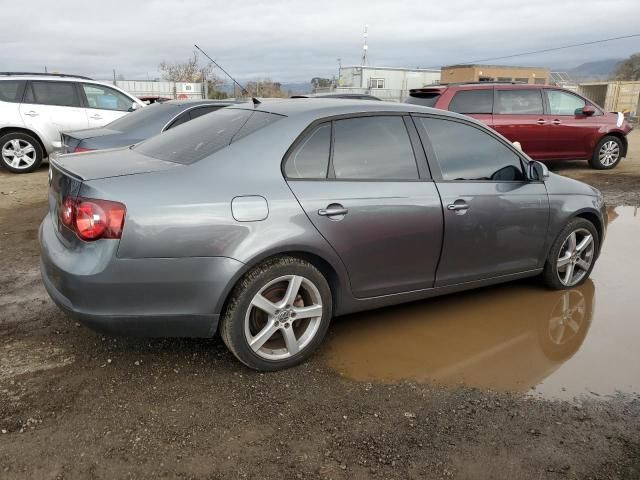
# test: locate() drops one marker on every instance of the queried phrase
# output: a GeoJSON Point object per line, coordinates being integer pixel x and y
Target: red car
{"type": "Point", "coordinates": [550, 123]}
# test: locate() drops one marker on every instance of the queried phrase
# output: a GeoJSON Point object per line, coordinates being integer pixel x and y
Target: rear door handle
{"type": "Point", "coordinates": [96, 117]}
{"type": "Point", "coordinates": [556, 122]}
{"type": "Point", "coordinates": [333, 211]}
{"type": "Point", "coordinates": [31, 113]}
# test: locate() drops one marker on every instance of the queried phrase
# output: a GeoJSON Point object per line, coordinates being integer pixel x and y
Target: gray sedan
{"type": "Point", "coordinates": [262, 222]}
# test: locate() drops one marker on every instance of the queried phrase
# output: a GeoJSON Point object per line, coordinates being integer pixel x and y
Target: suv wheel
{"type": "Point", "coordinates": [20, 152]}
{"type": "Point", "coordinates": [277, 315]}
{"type": "Point", "coordinates": [607, 154]}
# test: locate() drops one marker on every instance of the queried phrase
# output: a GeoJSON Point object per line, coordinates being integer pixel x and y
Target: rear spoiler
{"type": "Point", "coordinates": [437, 90]}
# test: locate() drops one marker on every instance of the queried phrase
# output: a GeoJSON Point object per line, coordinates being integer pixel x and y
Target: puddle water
{"type": "Point", "coordinates": [517, 337]}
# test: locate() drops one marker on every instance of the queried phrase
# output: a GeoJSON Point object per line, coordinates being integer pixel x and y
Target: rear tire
{"type": "Point", "coordinates": [277, 315]}
{"type": "Point", "coordinates": [607, 154]}
{"type": "Point", "coordinates": [20, 152]}
{"type": "Point", "coordinates": [572, 255]}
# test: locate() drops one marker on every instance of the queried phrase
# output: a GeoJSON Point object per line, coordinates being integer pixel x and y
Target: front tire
{"type": "Point", "coordinates": [277, 315]}
{"type": "Point", "coordinates": [607, 153]}
{"type": "Point", "coordinates": [20, 152]}
{"type": "Point", "coordinates": [572, 255]}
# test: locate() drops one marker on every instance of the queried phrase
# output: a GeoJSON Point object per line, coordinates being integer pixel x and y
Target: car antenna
{"type": "Point", "coordinates": [243, 91]}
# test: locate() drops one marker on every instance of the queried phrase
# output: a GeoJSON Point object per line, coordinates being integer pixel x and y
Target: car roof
{"type": "Point", "coordinates": [326, 107]}
{"type": "Point", "coordinates": [43, 76]}
{"type": "Point", "coordinates": [337, 95]}
{"type": "Point", "coordinates": [201, 101]}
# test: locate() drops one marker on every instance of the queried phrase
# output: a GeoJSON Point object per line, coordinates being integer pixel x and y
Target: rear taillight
{"type": "Point", "coordinates": [82, 149]}
{"type": "Point", "coordinates": [92, 219]}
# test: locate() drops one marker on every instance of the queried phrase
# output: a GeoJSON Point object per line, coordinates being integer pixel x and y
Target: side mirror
{"type": "Point", "coordinates": [133, 107]}
{"type": "Point", "coordinates": [538, 171]}
{"type": "Point", "coordinates": [588, 110]}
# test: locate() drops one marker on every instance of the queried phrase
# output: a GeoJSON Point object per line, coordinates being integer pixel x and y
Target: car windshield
{"type": "Point", "coordinates": [143, 115]}
{"type": "Point", "coordinates": [205, 135]}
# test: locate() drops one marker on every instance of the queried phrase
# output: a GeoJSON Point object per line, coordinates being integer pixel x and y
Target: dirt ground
{"type": "Point", "coordinates": [76, 404]}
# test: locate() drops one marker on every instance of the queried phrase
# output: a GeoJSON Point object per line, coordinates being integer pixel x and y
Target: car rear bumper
{"type": "Point", "coordinates": [151, 297]}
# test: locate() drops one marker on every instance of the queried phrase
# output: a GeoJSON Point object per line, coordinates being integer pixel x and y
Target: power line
{"type": "Point", "coordinates": [545, 50]}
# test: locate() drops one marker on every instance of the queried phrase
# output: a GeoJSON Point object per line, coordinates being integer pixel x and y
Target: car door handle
{"type": "Point", "coordinates": [457, 207]}
{"type": "Point", "coordinates": [31, 113]}
{"type": "Point", "coordinates": [541, 121]}
{"type": "Point", "coordinates": [332, 211]}
{"type": "Point", "coordinates": [556, 122]}
{"type": "Point", "coordinates": [96, 117]}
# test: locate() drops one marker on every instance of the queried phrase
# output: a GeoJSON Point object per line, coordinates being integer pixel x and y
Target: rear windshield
{"type": "Point", "coordinates": [426, 99]}
{"type": "Point", "coordinates": [143, 115]}
{"type": "Point", "coordinates": [203, 136]}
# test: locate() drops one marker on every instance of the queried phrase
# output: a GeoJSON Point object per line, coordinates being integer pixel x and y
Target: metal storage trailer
{"type": "Point", "coordinates": [615, 96]}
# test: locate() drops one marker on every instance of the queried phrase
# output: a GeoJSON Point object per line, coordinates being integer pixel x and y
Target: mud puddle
{"type": "Point", "coordinates": [515, 337]}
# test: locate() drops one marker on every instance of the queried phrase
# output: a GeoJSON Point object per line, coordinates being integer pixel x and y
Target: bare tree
{"type": "Point", "coordinates": [265, 88]}
{"type": "Point", "coordinates": [629, 69]}
{"type": "Point", "coordinates": [189, 71]}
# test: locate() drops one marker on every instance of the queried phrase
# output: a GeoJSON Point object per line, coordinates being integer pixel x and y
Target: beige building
{"type": "Point", "coordinates": [494, 73]}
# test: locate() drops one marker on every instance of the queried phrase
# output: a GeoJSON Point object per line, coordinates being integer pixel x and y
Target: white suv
{"type": "Point", "coordinates": [36, 108]}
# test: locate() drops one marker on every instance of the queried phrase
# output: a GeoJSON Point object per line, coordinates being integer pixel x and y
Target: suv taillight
{"type": "Point", "coordinates": [82, 149]}
{"type": "Point", "coordinates": [92, 219]}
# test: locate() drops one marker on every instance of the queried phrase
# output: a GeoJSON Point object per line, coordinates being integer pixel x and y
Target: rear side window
{"type": "Point", "coordinates": [11, 90]}
{"type": "Point", "coordinates": [373, 148]}
{"type": "Point", "coordinates": [426, 99]}
{"type": "Point", "coordinates": [198, 112]}
{"type": "Point", "coordinates": [200, 138]}
{"type": "Point", "coordinates": [468, 153]}
{"type": "Point", "coordinates": [519, 102]}
{"type": "Point", "coordinates": [62, 94]}
{"type": "Point", "coordinates": [472, 101]}
{"type": "Point", "coordinates": [310, 158]}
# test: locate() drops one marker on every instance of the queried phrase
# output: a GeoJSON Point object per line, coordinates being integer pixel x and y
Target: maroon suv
{"type": "Point", "coordinates": [550, 123]}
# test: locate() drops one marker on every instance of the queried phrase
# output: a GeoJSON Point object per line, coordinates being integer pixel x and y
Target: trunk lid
{"type": "Point", "coordinates": [109, 163]}
{"type": "Point", "coordinates": [71, 140]}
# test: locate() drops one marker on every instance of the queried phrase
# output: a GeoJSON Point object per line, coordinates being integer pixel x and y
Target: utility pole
{"type": "Point", "coordinates": [114, 76]}
{"type": "Point", "coordinates": [365, 47]}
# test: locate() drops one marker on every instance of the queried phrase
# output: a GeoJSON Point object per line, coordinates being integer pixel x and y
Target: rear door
{"type": "Point", "coordinates": [104, 104]}
{"type": "Point", "coordinates": [570, 133]}
{"type": "Point", "coordinates": [495, 220]}
{"type": "Point", "coordinates": [518, 114]}
{"type": "Point", "coordinates": [50, 107]}
{"type": "Point", "coordinates": [363, 183]}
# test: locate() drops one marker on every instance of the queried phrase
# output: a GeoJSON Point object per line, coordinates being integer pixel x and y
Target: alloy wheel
{"type": "Point", "coordinates": [283, 318]}
{"type": "Point", "coordinates": [575, 257]}
{"type": "Point", "coordinates": [609, 153]}
{"type": "Point", "coordinates": [19, 153]}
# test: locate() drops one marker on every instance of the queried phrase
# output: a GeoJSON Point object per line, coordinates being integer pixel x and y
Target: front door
{"type": "Point", "coordinates": [570, 133]}
{"type": "Point", "coordinates": [518, 115]}
{"type": "Point", "coordinates": [51, 107]}
{"type": "Point", "coordinates": [495, 220]}
{"type": "Point", "coordinates": [104, 104]}
{"type": "Point", "coordinates": [371, 201]}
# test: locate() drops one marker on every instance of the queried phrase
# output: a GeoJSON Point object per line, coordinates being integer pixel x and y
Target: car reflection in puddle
{"type": "Point", "coordinates": [515, 337]}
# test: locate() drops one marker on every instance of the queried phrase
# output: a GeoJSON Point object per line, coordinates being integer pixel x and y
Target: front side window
{"type": "Point", "coordinates": [563, 103]}
{"type": "Point", "coordinates": [11, 90]}
{"type": "Point", "coordinates": [105, 98]}
{"type": "Point", "coordinates": [465, 152]}
{"type": "Point", "coordinates": [472, 101]}
{"type": "Point", "coordinates": [62, 94]}
{"type": "Point", "coordinates": [373, 148]}
{"type": "Point", "coordinates": [310, 158]}
{"type": "Point", "coordinates": [519, 102]}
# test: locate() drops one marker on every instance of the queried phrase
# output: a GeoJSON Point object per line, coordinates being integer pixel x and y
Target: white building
{"type": "Point", "coordinates": [152, 88]}
{"type": "Point", "coordinates": [387, 83]}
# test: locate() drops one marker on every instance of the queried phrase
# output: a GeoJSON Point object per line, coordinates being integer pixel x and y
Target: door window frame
{"type": "Point", "coordinates": [28, 89]}
{"type": "Point", "coordinates": [434, 164]}
{"type": "Point", "coordinates": [419, 154]}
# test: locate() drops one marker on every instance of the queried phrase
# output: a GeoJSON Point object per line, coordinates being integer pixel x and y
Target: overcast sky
{"type": "Point", "coordinates": [294, 41]}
